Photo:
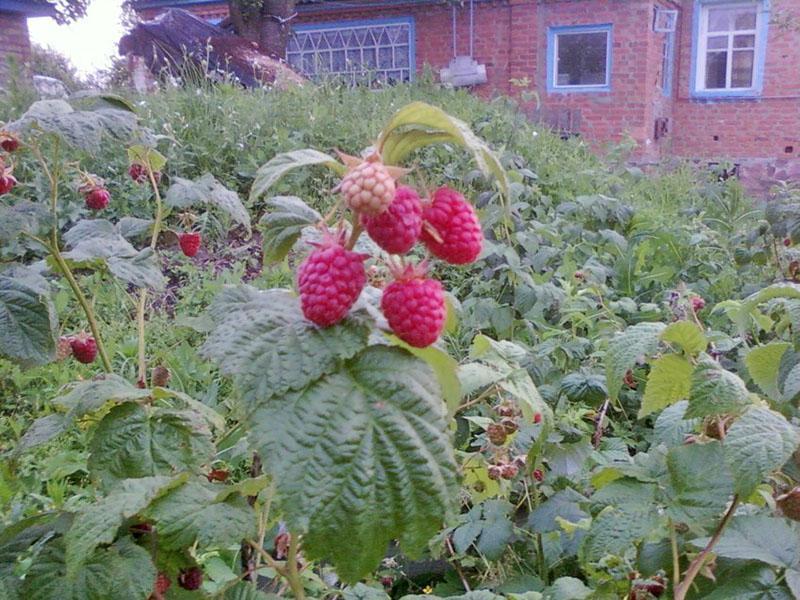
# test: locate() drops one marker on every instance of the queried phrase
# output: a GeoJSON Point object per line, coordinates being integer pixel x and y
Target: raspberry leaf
{"type": "Point", "coordinates": [716, 391]}
{"type": "Point", "coordinates": [270, 172]}
{"type": "Point", "coordinates": [670, 380]}
{"type": "Point", "coordinates": [24, 216]}
{"type": "Point", "coordinates": [283, 226]}
{"type": "Point", "coordinates": [245, 591]}
{"type": "Point", "coordinates": [373, 439]}
{"type": "Point", "coordinates": [686, 335]}
{"type": "Point", "coordinates": [759, 442]}
{"type": "Point", "coordinates": [122, 571]}
{"type": "Point", "coordinates": [264, 343]}
{"type": "Point", "coordinates": [206, 190]}
{"type": "Point", "coordinates": [28, 320]}
{"type": "Point", "coordinates": [195, 512]}
{"type": "Point", "coordinates": [134, 441]}
{"type": "Point", "coordinates": [763, 364]}
{"type": "Point", "coordinates": [626, 348]}
{"type": "Point", "coordinates": [488, 527]}
{"type": "Point", "coordinates": [97, 524]}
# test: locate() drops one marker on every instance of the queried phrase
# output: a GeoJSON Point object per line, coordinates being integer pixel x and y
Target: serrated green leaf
{"type": "Point", "coordinates": [364, 592]}
{"type": "Point", "coordinates": [584, 387]}
{"type": "Point", "coordinates": [85, 397]}
{"type": "Point", "coordinates": [206, 190]}
{"type": "Point", "coordinates": [19, 537]}
{"type": "Point", "coordinates": [784, 289]}
{"type": "Point", "coordinates": [41, 431]}
{"type": "Point", "coordinates": [282, 226]}
{"type": "Point", "coordinates": [142, 270]}
{"type": "Point", "coordinates": [85, 129]}
{"type": "Point", "coordinates": [671, 428]}
{"type": "Point", "coordinates": [133, 227]}
{"type": "Point", "coordinates": [134, 441]}
{"type": "Point", "coordinates": [759, 442]}
{"type": "Point", "coordinates": [245, 591]}
{"type": "Point", "coordinates": [263, 341]}
{"type": "Point", "coordinates": [771, 540]}
{"type": "Point", "coordinates": [488, 528]}
{"type": "Point", "coordinates": [214, 419]}
{"type": "Point", "coordinates": [716, 391]}
{"type": "Point", "coordinates": [750, 582]}
{"type": "Point", "coordinates": [419, 124]}
{"type": "Point", "coordinates": [192, 513]}
{"type": "Point", "coordinates": [687, 335]}
{"type": "Point", "coordinates": [122, 571]}
{"type": "Point", "coordinates": [669, 381]}
{"type": "Point", "coordinates": [762, 363]}
{"type": "Point", "coordinates": [28, 321]}
{"type": "Point", "coordinates": [789, 375]}
{"type": "Point", "coordinates": [145, 155]}
{"type": "Point", "coordinates": [699, 484]}
{"type": "Point", "coordinates": [96, 524]}
{"type": "Point", "coordinates": [567, 588]}
{"type": "Point", "coordinates": [270, 172]}
{"type": "Point", "coordinates": [625, 348]}
{"type": "Point", "coordinates": [614, 531]}
{"type": "Point", "coordinates": [373, 439]}
{"type": "Point", "coordinates": [793, 581]}
{"type": "Point", "coordinates": [24, 216]}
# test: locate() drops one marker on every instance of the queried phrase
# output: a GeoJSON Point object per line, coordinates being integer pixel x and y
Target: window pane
{"type": "Point", "coordinates": [717, 42]}
{"type": "Point", "coordinates": [745, 20]}
{"type": "Point", "coordinates": [742, 75]}
{"type": "Point", "coordinates": [581, 58]}
{"type": "Point", "coordinates": [716, 65]}
{"type": "Point", "coordinates": [719, 19]}
{"type": "Point", "coordinates": [744, 41]}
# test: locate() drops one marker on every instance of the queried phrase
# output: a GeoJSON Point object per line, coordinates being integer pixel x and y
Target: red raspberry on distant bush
{"type": "Point", "coordinates": [494, 472]}
{"type": "Point", "coordinates": [698, 303]}
{"type": "Point", "coordinates": [537, 418]}
{"type": "Point", "coordinates": [451, 229]}
{"type": "Point", "coordinates": [9, 142]}
{"type": "Point", "coordinates": [508, 471]}
{"type": "Point", "coordinates": [538, 475]}
{"type": "Point", "coordinates": [397, 229]}
{"type": "Point", "coordinates": [414, 306]}
{"type": "Point", "coordinates": [191, 579]}
{"type": "Point", "coordinates": [162, 584]}
{"type": "Point", "coordinates": [787, 242]}
{"type": "Point", "coordinates": [84, 348]}
{"type": "Point", "coordinates": [189, 243]}
{"type": "Point", "coordinates": [97, 198]}
{"type": "Point", "coordinates": [7, 183]}
{"type": "Point", "coordinates": [496, 434]}
{"type": "Point", "coordinates": [137, 172]}
{"type": "Point", "coordinates": [330, 281]}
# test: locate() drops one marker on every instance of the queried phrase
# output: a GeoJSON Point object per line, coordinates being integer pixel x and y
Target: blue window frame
{"type": "Point", "coordinates": [579, 58]}
{"type": "Point", "coordinates": [729, 48]}
{"type": "Point", "coordinates": [376, 50]}
{"type": "Point", "coordinates": [668, 61]}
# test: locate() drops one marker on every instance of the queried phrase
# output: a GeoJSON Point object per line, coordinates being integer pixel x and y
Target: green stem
{"type": "Point", "coordinates": [676, 560]}
{"type": "Point", "coordinates": [694, 567]}
{"type": "Point", "coordinates": [87, 308]}
{"type": "Point", "coordinates": [292, 574]}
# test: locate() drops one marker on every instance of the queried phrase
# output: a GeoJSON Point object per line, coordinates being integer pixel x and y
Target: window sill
{"type": "Point", "coordinates": [578, 89]}
{"type": "Point", "coordinates": [732, 95]}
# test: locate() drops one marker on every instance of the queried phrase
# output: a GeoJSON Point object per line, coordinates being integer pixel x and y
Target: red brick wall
{"type": "Point", "coordinates": [760, 127]}
{"type": "Point", "coordinates": [14, 41]}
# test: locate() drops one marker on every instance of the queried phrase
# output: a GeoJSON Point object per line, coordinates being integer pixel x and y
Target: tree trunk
{"type": "Point", "coordinates": [268, 24]}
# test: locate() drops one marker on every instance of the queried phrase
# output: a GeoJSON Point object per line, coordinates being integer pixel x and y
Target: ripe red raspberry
{"type": "Point", "coordinates": [189, 243]}
{"type": "Point", "coordinates": [369, 187]}
{"type": "Point", "coordinates": [414, 307]}
{"type": "Point", "coordinates": [9, 142]}
{"type": "Point", "coordinates": [698, 303]}
{"type": "Point", "coordinates": [397, 229]}
{"type": "Point", "coordinates": [538, 475]}
{"type": "Point", "coordinates": [218, 475]}
{"type": "Point", "coordinates": [190, 579]}
{"type": "Point", "coordinates": [137, 172]}
{"type": "Point", "coordinates": [537, 418]}
{"type": "Point", "coordinates": [84, 348]}
{"type": "Point", "coordinates": [162, 584]}
{"type": "Point", "coordinates": [787, 242]}
{"type": "Point", "coordinates": [97, 198]}
{"type": "Point", "coordinates": [7, 183]}
{"type": "Point", "coordinates": [495, 472]}
{"type": "Point", "coordinates": [508, 471]}
{"type": "Point", "coordinates": [451, 228]}
{"type": "Point", "coordinates": [330, 281]}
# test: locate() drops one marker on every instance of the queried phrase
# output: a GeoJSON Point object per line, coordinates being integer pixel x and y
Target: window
{"type": "Point", "coordinates": [579, 58]}
{"type": "Point", "coordinates": [363, 51]}
{"type": "Point", "coordinates": [730, 48]}
{"type": "Point", "coordinates": [667, 58]}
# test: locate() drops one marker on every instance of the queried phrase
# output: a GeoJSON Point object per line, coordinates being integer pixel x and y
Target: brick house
{"type": "Point", "coordinates": [14, 41]}
{"type": "Point", "coordinates": [707, 80]}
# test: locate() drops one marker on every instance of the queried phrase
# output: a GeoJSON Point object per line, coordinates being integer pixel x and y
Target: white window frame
{"type": "Point", "coordinates": [702, 46]}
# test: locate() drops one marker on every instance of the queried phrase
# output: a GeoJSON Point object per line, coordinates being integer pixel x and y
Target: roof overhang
{"type": "Point", "coordinates": [27, 8]}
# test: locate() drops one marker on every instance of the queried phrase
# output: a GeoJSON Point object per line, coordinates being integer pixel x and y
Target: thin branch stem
{"type": "Point", "coordinates": [456, 564]}
{"type": "Point", "coordinates": [598, 424]}
{"type": "Point", "coordinates": [694, 567]}
{"type": "Point", "coordinates": [293, 576]}
{"type": "Point", "coordinates": [676, 560]}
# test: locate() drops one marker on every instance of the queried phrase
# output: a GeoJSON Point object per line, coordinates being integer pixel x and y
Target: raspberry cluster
{"type": "Point", "coordinates": [502, 466]}
{"type": "Point", "coordinates": [332, 277]}
{"type": "Point", "coordinates": [7, 179]}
